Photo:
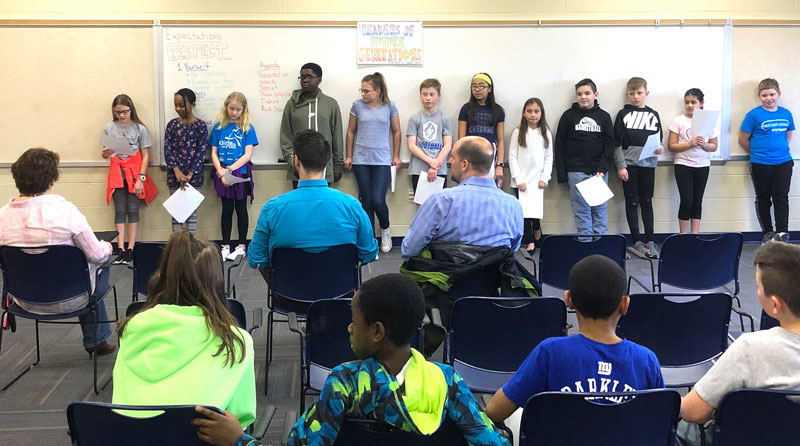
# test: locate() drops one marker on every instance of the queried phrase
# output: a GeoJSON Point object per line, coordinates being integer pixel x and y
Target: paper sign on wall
{"type": "Point", "coordinates": [389, 43]}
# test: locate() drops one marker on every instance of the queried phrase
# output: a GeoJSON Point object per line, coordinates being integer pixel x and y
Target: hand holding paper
{"type": "Point", "coordinates": [651, 146]}
{"type": "Point", "coordinates": [703, 122]}
{"type": "Point", "coordinates": [427, 188]}
{"type": "Point", "coordinates": [118, 144]}
{"type": "Point", "coordinates": [230, 180]}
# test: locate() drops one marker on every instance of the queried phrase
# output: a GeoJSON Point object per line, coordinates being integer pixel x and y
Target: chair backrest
{"type": "Point", "coordinates": [146, 258]}
{"type": "Point", "coordinates": [559, 253]}
{"type": "Point", "coordinates": [236, 308]}
{"type": "Point", "coordinates": [681, 329]}
{"type": "Point", "coordinates": [305, 275]}
{"type": "Point", "coordinates": [100, 424]}
{"type": "Point", "coordinates": [749, 416]}
{"type": "Point", "coordinates": [481, 282]}
{"type": "Point", "coordinates": [700, 261]}
{"type": "Point", "coordinates": [327, 339]}
{"type": "Point", "coordinates": [44, 274]}
{"type": "Point", "coordinates": [510, 328]}
{"type": "Point", "coordinates": [650, 418]}
{"type": "Point", "coordinates": [768, 321]}
{"type": "Point", "coordinates": [371, 432]}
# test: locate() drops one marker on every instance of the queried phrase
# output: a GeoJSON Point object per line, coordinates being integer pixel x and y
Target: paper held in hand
{"type": "Point", "coordinates": [427, 188]}
{"type": "Point", "coordinates": [703, 123]}
{"type": "Point", "coordinates": [393, 170]}
{"type": "Point", "coordinates": [650, 146]}
{"type": "Point", "coordinates": [532, 200]}
{"type": "Point", "coordinates": [119, 144]}
{"type": "Point", "coordinates": [182, 203]}
{"type": "Point", "coordinates": [594, 191]}
{"type": "Point", "coordinates": [231, 180]}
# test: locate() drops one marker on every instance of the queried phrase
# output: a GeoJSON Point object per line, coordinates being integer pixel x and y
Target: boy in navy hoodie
{"type": "Point", "coordinates": [584, 147]}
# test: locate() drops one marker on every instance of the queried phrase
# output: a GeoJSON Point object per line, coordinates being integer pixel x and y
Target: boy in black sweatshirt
{"type": "Point", "coordinates": [584, 147]}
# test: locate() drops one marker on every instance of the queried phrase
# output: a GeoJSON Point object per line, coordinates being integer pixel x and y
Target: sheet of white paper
{"type": "Point", "coordinates": [425, 188]}
{"type": "Point", "coordinates": [594, 191]}
{"type": "Point", "coordinates": [230, 179]}
{"type": "Point", "coordinates": [119, 145]}
{"type": "Point", "coordinates": [653, 142]}
{"type": "Point", "coordinates": [703, 122]}
{"type": "Point", "coordinates": [532, 201]}
{"type": "Point", "coordinates": [182, 203]}
{"type": "Point", "coordinates": [394, 176]}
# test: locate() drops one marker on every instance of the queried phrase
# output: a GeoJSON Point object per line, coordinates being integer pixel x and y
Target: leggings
{"type": "Point", "coordinates": [242, 219]}
{"type": "Point", "coordinates": [529, 225]}
{"type": "Point", "coordinates": [639, 194]}
{"type": "Point", "coordinates": [771, 184]}
{"type": "Point", "coordinates": [691, 186]}
{"type": "Point", "coordinates": [126, 204]}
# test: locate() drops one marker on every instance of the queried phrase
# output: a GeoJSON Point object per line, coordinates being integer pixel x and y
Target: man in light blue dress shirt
{"type": "Point", "coordinates": [475, 212]}
{"type": "Point", "coordinates": [313, 215]}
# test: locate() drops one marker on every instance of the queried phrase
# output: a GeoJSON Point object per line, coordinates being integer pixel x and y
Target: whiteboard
{"type": "Point", "coordinates": [524, 61]}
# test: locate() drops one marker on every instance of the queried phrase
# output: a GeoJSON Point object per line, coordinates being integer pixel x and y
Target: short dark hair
{"type": "Point", "coordinates": [312, 150]}
{"type": "Point", "coordinates": [478, 151]}
{"type": "Point", "coordinates": [35, 170]}
{"type": "Point", "coordinates": [585, 82]}
{"type": "Point", "coordinates": [313, 67]}
{"type": "Point", "coordinates": [188, 95]}
{"type": "Point", "coordinates": [397, 302]}
{"type": "Point", "coordinates": [696, 92]}
{"type": "Point", "coordinates": [597, 285]}
{"type": "Point", "coordinates": [779, 264]}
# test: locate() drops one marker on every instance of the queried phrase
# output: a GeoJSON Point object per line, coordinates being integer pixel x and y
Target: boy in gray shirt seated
{"type": "Point", "coordinates": [767, 359]}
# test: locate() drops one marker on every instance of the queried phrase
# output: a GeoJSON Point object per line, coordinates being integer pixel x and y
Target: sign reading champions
{"type": "Point", "coordinates": [389, 43]}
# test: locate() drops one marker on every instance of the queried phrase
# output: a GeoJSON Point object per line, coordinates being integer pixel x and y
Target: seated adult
{"type": "Point", "coordinates": [38, 218]}
{"type": "Point", "coordinates": [390, 382]}
{"type": "Point", "coordinates": [184, 346]}
{"type": "Point", "coordinates": [313, 216]}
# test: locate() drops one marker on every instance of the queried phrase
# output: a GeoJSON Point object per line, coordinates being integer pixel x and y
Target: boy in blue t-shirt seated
{"type": "Point", "coordinates": [596, 359]}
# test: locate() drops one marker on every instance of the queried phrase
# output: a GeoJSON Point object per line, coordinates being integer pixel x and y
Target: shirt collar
{"type": "Point", "coordinates": [311, 183]}
{"type": "Point", "coordinates": [479, 181]}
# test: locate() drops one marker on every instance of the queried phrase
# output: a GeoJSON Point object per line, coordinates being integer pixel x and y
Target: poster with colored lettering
{"type": "Point", "coordinates": [389, 43]}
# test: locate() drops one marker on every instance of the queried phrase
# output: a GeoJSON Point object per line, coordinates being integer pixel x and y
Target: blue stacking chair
{"type": "Point", "coordinates": [686, 331]}
{"type": "Point", "coordinates": [49, 274]}
{"type": "Point", "coordinates": [489, 338]}
{"type": "Point", "coordinates": [767, 321]}
{"type": "Point", "coordinates": [559, 253]}
{"type": "Point", "coordinates": [646, 417]}
{"type": "Point", "coordinates": [236, 308]}
{"type": "Point", "coordinates": [370, 432]}
{"type": "Point", "coordinates": [765, 417]}
{"type": "Point", "coordinates": [299, 277]}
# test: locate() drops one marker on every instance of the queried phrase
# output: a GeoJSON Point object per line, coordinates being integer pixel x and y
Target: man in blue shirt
{"type": "Point", "coordinates": [313, 215]}
{"type": "Point", "coordinates": [474, 213]}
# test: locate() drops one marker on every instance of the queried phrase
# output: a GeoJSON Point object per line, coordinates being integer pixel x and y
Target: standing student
{"type": "Point", "coordinates": [372, 118]}
{"type": "Point", "coordinates": [232, 141]}
{"type": "Point", "coordinates": [632, 126]}
{"type": "Point", "coordinates": [128, 182]}
{"type": "Point", "coordinates": [584, 147]}
{"type": "Point", "coordinates": [309, 108]}
{"type": "Point", "coordinates": [530, 159]}
{"type": "Point", "coordinates": [692, 162]}
{"type": "Point", "coordinates": [185, 141]}
{"type": "Point", "coordinates": [481, 116]}
{"type": "Point", "coordinates": [430, 136]}
{"type": "Point", "coordinates": [765, 133]}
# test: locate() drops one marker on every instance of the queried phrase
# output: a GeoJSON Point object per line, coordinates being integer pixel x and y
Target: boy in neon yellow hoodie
{"type": "Point", "coordinates": [393, 382]}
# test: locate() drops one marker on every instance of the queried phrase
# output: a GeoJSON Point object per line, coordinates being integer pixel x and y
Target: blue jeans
{"type": "Point", "coordinates": [373, 182]}
{"type": "Point", "coordinates": [589, 220]}
{"type": "Point", "coordinates": [87, 327]}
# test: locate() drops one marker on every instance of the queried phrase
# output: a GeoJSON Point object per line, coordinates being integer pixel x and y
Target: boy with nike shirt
{"type": "Point", "coordinates": [584, 147]}
{"type": "Point", "coordinates": [596, 359]}
{"type": "Point", "coordinates": [430, 136]}
{"type": "Point", "coordinates": [633, 125]}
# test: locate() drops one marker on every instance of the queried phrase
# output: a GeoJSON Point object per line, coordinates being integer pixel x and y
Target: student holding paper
{"type": "Point", "coordinates": [128, 182]}
{"type": "Point", "coordinates": [692, 162]}
{"type": "Point", "coordinates": [185, 141]}
{"type": "Point", "coordinates": [530, 159]}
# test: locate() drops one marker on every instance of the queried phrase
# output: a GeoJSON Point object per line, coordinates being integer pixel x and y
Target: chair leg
{"type": "Point", "coordinates": [268, 353]}
{"type": "Point", "coordinates": [38, 357]}
{"type": "Point", "coordinates": [302, 398]}
{"type": "Point", "coordinates": [94, 342]}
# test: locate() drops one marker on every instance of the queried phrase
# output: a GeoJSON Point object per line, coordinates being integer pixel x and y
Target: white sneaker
{"type": "Point", "coordinates": [386, 240]}
{"type": "Point", "coordinates": [239, 251]}
{"type": "Point", "coordinates": [225, 252]}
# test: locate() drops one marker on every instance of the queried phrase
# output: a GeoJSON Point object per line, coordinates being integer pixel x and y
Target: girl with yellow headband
{"type": "Point", "coordinates": [481, 116]}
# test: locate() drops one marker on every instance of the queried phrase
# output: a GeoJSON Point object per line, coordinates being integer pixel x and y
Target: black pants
{"type": "Point", "coordinates": [771, 184]}
{"type": "Point", "coordinates": [529, 225]}
{"type": "Point", "coordinates": [242, 219]}
{"type": "Point", "coordinates": [639, 194]}
{"type": "Point", "coordinates": [691, 187]}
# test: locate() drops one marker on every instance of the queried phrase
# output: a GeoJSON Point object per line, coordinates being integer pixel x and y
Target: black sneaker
{"type": "Point", "coordinates": [768, 236]}
{"type": "Point", "coordinates": [128, 256]}
{"type": "Point", "coordinates": [123, 258]}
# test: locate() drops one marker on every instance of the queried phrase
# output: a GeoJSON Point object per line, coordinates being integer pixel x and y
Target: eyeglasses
{"type": "Point", "coordinates": [478, 87]}
{"type": "Point", "coordinates": [306, 78]}
{"type": "Point", "coordinates": [365, 91]}
{"type": "Point", "coordinates": [122, 112]}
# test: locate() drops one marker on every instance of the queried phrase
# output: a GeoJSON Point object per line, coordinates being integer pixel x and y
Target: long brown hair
{"type": "Point", "coordinates": [125, 100]}
{"type": "Point", "coordinates": [379, 83]}
{"type": "Point", "coordinates": [190, 274]}
{"type": "Point", "coordinates": [523, 125]}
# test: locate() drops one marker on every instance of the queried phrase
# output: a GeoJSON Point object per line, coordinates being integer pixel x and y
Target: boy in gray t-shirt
{"type": "Point", "coordinates": [430, 135]}
{"type": "Point", "coordinates": [768, 359]}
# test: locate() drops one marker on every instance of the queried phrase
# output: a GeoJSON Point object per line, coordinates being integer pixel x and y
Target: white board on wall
{"type": "Point", "coordinates": [524, 61]}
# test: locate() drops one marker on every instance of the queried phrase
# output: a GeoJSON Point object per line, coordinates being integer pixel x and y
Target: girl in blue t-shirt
{"type": "Point", "coordinates": [481, 116]}
{"type": "Point", "coordinates": [232, 141]}
{"type": "Point", "coordinates": [368, 153]}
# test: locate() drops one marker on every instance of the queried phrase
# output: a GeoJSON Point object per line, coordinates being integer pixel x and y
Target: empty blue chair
{"type": "Point", "coordinates": [371, 432]}
{"type": "Point", "coordinates": [646, 417]}
{"type": "Point", "coordinates": [489, 338]}
{"type": "Point", "coordinates": [758, 417]}
{"type": "Point", "coordinates": [45, 275]}
{"type": "Point", "coordinates": [559, 253]}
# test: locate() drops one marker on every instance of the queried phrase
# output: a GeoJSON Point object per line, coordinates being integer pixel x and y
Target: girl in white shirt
{"type": "Point", "coordinates": [530, 160]}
